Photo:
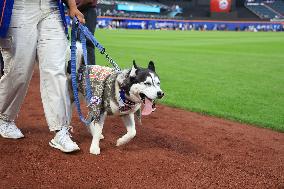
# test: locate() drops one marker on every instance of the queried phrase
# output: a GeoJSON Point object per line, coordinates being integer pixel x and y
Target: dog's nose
{"type": "Point", "coordinates": [160, 94]}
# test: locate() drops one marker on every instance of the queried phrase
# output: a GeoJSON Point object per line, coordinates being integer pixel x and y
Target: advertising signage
{"type": "Point", "coordinates": [220, 5]}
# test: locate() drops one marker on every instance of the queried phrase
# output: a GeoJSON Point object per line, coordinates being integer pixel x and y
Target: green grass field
{"type": "Point", "coordinates": [234, 75]}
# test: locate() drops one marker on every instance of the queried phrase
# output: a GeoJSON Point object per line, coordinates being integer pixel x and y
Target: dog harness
{"type": "Point", "coordinates": [102, 81]}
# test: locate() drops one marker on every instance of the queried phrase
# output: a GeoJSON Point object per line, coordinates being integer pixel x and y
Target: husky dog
{"type": "Point", "coordinates": [119, 93]}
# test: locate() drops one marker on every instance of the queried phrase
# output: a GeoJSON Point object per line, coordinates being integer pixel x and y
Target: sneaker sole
{"type": "Point", "coordinates": [5, 136]}
{"type": "Point", "coordinates": [53, 144]}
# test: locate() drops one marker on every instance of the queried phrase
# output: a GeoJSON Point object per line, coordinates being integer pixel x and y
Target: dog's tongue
{"type": "Point", "coordinates": [148, 107]}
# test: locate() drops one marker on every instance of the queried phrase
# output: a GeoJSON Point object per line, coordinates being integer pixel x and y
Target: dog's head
{"type": "Point", "coordinates": [143, 85]}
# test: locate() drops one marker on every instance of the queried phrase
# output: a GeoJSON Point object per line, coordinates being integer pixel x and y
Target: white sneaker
{"type": "Point", "coordinates": [63, 142]}
{"type": "Point", "coordinates": [10, 130]}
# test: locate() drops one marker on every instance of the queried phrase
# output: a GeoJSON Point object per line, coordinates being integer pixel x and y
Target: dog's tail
{"type": "Point", "coordinates": [79, 57]}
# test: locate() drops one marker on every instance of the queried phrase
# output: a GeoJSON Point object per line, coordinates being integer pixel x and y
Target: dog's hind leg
{"type": "Point", "coordinates": [129, 123]}
{"type": "Point", "coordinates": [96, 131]}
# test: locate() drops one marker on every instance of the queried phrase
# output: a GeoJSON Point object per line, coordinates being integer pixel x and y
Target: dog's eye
{"type": "Point", "coordinates": [158, 83]}
{"type": "Point", "coordinates": [148, 83]}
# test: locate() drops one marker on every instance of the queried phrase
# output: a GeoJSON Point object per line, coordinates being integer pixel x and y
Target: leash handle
{"type": "Point", "coordinates": [73, 73]}
{"type": "Point", "coordinates": [84, 33]}
{"type": "Point", "coordinates": [88, 82]}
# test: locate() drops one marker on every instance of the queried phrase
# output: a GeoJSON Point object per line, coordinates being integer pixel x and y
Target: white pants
{"type": "Point", "coordinates": [36, 34]}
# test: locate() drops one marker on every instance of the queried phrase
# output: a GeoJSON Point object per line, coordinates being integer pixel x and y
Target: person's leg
{"type": "Point", "coordinates": [51, 50]}
{"type": "Point", "coordinates": [91, 20]}
{"type": "Point", "coordinates": [18, 50]}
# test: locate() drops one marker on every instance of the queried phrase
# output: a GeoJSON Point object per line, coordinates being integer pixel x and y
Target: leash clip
{"type": "Point", "coordinates": [76, 21]}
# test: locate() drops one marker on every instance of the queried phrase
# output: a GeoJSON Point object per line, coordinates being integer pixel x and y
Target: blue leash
{"type": "Point", "coordinates": [84, 33]}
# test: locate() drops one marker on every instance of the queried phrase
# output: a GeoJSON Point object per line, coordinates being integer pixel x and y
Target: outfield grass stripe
{"type": "Point", "coordinates": [235, 75]}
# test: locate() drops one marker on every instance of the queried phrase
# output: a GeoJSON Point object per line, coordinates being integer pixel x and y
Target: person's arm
{"type": "Point", "coordinates": [73, 11]}
{"type": "Point", "coordinates": [84, 3]}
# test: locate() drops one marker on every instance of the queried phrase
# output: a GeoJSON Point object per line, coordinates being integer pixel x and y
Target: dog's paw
{"type": "Point", "coordinates": [102, 137]}
{"type": "Point", "coordinates": [95, 150]}
{"type": "Point", "coordinates": [120, 142]}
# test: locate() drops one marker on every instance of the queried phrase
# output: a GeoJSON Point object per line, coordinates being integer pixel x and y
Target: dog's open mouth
{"type": "Point", "coordinates": [149, 105]}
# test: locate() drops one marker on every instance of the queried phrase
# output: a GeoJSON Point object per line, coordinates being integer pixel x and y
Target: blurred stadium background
{"type": "Point", "coordinates": [254, 15]}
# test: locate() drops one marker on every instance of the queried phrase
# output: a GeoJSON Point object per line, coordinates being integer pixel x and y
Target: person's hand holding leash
{"type": "Point", "coordinates": [73, 11]}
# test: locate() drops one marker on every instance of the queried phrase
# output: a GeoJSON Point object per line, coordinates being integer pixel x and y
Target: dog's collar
{"type": "Point", "coordinates": [124, 103]}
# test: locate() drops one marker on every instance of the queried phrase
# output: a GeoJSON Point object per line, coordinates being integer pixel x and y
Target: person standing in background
{"type": "Point", "coordinates": [88, 8]}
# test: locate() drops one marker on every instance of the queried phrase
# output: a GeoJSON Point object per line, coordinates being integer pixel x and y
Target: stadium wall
{"type": "Point", "coordinates": [137, 23]}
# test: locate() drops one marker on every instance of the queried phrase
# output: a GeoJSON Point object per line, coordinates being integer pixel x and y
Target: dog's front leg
{"type": "Point", "coordinates": [96, 131]}
{"type": "Point", "coordinates": [129, 123]}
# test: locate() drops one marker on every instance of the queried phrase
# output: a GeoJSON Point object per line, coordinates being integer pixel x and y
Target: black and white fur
{"type": "Point", "coordinates": [138, 84]}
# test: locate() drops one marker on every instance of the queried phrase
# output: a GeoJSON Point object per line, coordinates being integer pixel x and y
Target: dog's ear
{"type": "Point", "coordinates": [133, 69]}
{"type": "Point", "coordinates": [134, 64]}
{"type": "Point", "coordinates": [151, 66]}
